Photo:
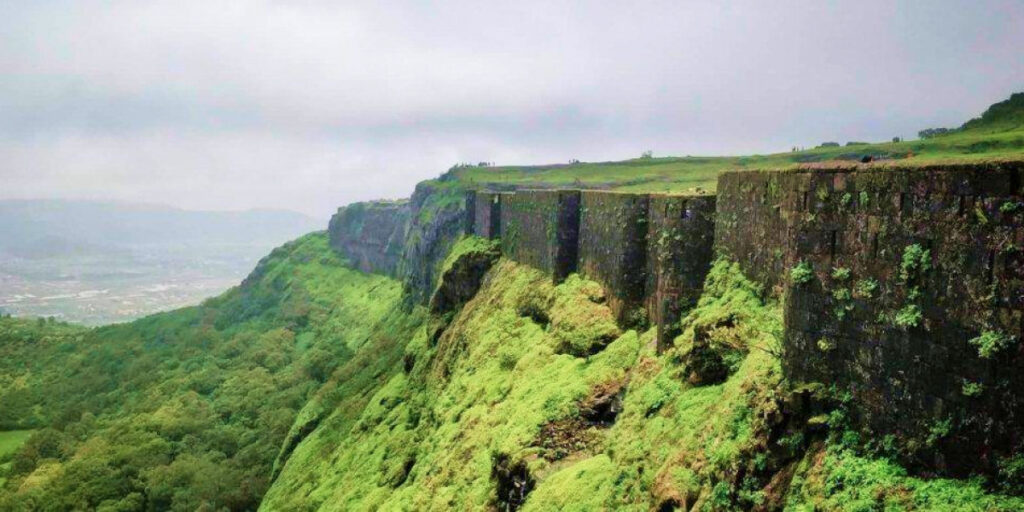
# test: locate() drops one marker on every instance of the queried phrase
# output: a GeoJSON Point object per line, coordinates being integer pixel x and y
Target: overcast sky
{"type": "Point", "coordinates": [311, 105]}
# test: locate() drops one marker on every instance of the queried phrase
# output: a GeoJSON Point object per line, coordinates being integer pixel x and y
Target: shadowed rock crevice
{"type": "Point", "coordinates": [513, 482]}
{"type": "Point", "coordinates": [583, 432]}
{"type": "Point", "coordinates": [464, 270]}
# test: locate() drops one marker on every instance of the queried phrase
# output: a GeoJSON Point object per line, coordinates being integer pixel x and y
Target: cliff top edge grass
{"type": "Point", "coordinates": [938, 165]}
{"type": "Point", "coordinates": [995, 136]}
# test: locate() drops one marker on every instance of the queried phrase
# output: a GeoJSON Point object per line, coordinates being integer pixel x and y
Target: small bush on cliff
{"type": "Point", "coordinates": [915, 262]}
{"type": "Point", "coordinates": [907, 317]}
{"type": "Point", "coordinates": [972, 388]}
{"type": "Point", "coordinates": [990, 343]}
{"type": "Point", "coordinates": [865, 288]}
{"type": "Point", "coordinates": [840, 273]}
{"type": "Point", "coordinates": [801, 273]}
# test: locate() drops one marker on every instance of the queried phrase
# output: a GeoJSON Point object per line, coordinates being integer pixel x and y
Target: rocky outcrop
{"type": "Point", "coordinates": [371, 235]}
{"type": "Point", "coordinates": [437, 210]}
{"type": "Point", "coordinates": [463, 271]}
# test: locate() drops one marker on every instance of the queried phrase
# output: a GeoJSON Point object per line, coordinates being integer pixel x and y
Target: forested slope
{"type": "Point", "coordinates": [185, 410]}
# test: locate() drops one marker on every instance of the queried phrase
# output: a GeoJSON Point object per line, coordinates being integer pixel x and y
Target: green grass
{"type": "Point", "coordinates": [694, 174]}
{"type": "Point", "coordinates": [10, 441]}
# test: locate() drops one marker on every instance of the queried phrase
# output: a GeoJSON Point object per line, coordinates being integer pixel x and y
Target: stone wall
{"type": "Point", "coordinates": [897, 270]}
{"type": "Point", "coordinates": [486, 214]}
{"type": "Point", "coordinates": [903, 287]}
{"type": "Point", "coordinates": [679, 255]}
{"type": "Point", "coordinates": [541, 228]}
{"type": "Point", "coordinates": [371, 235]}
{"type": "Point", "coordinates": [750, 226]}
{"type": "Point", "coordinates": [650, 253]}
{"type": "Point", "coordinates": [613, 249]}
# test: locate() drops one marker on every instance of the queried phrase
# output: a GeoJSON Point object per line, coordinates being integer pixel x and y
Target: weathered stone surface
{"type": "Point", "coordinates": [911, 297]}
{"type": "Point", "coordinates": [371, 235]}
{"type": "Point", "coordinates": [437, 218]}
{"type": "Point", "coordinates": [487, 214]}
{"type": "Point", "coordinates": [907, 266]}
{"type": "Point", "coordinates": [613, 250]}
{"type": "Point", "coordinates": [650, 253]}
{"type": "Point", "coordinates": [541, 228]}
{"type": "Point", "coordinates": [680, 240]}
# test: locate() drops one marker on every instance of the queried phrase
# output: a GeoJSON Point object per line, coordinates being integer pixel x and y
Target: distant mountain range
{"type": "Point", "coordinates": [48, 228]}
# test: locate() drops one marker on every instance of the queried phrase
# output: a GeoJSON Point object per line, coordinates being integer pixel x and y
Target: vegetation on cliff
{"type": "Point", "coordinates": [315, 386]}
{"type": "Point", "coordinates": [532, 398]}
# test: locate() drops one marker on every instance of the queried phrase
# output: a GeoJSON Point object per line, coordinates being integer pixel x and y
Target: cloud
{"type": "Point", "coordinates": [310, 105]}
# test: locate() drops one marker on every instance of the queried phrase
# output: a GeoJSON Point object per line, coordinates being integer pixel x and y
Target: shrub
{"type": "Point", "coordinates": [972, 388]}
{"type": "Point", "coordinates": [990, 343]}
{"type": "Point", "coordinates": [840, 273]}
{"type": "Point", "coordinates": [865, 288]}
{"type": "Point", "coordinates": [916, 261]}
{"type": "Point", "coordinates": [909, 316]}
{"type": "Point", "coordinates": [801, 273]}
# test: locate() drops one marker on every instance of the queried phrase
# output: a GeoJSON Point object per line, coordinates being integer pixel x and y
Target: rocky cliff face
{"type": "Point", "coordinates": [437, 219]}
{"type": "Point", "coordinates": [371, 234]}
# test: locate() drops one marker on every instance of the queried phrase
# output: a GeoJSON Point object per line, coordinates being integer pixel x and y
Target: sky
{"type": "Point", "coordinates": [308, 105]}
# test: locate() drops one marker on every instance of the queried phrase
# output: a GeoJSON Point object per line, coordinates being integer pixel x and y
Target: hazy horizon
{"type": "Point", "coordinates": [156, 205]}
{"type": "Point", "coordinates": [312, 105]}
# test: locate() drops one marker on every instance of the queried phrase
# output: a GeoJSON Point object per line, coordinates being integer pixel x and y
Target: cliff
{"type": "Point", "coordinates": [371, 235]}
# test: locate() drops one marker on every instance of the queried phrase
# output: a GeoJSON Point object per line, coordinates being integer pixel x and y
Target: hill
{"type": "Point", "coordinates": [1006, 115]}
{"type": "Point", "coordinates": [186, 409]}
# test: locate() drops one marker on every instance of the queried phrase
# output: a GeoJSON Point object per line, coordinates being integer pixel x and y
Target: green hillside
{"type": "Point", "coordinates": [498, 413]}
{"type": "Point", "coordinates": [184, 410]}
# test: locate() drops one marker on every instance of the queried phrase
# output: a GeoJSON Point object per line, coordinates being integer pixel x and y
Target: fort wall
{"type": "Point", "coordinates": [902, 288]}
{"type": "Point", "coordinates": [541, 228]}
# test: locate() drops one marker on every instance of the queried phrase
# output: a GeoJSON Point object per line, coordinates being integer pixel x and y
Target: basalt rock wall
{"type": "Point", "coordinates": [371, 235]}
{"type": "Point", "coordinates": [437, 219]}
{"type": "Point", "coordinates": [903, 287]}
{"type": "Point", "coordinates": [613, 249]}
{"type": "Point", "coordinates": [486, 213]}
{"type": "Point", "coordinates": [680, 241]}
